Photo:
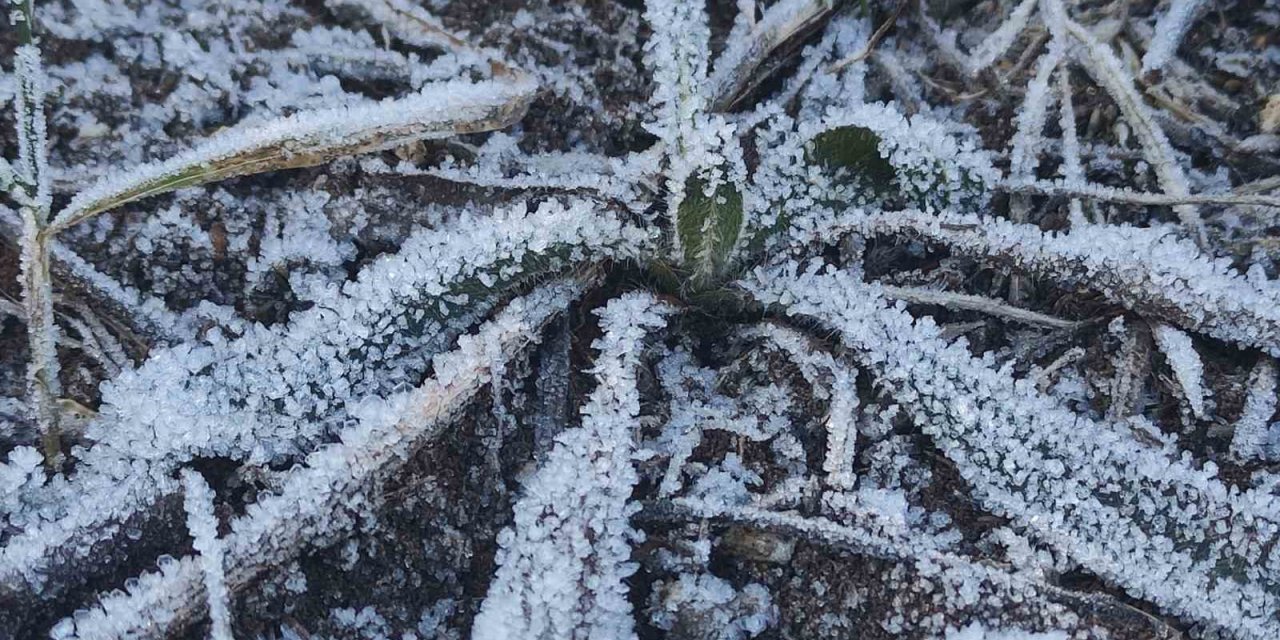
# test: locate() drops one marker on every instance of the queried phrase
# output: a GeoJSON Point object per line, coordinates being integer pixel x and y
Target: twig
{"type": "Point", "coordinates": [876, 37]}
{"type": "Point", "coordinates": [918, 295]}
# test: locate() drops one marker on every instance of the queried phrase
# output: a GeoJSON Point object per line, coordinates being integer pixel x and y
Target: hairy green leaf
{"type": "Point", "coordinates": [708, 225]}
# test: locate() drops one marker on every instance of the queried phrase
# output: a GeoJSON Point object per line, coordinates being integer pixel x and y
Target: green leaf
{"type": "Point", "coordinates": [708, 225]}
{"type": "Point", "coordinates": [855, 149]}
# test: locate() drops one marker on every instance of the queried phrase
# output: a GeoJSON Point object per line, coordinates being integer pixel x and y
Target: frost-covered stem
{"type": "Point", "coordinates": [965, 302]}
{"type": "Point", "coordinates": [1104, 193]}
{"type": "Point", "coordinates": [994, 45]}
{"type": "Point", "coordinates": [203, 526]}
{"type": "Point", "coordinates": [32, 193]}
{"type": "Point", "coordinates": [1024, 155]}
{"type": "Point", "coordinates": [1101, 63]}
{"type": "Point", "coordinates": [1072, 169]}
{"type": "Point", "coordinates": [562, 564]}
{"type": "Point", "coordinates": [1169, 31]}
{"type": "Point", "coordinates": [42, 371]}
{"type": "Point", "coordinates": [316, 503]}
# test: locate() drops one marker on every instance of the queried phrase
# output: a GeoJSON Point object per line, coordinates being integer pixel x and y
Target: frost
{"type": "Point", "coordinates": [1169, 30]}
{"type": "Point", "coordinates": [1256, 436]}
{"type": "Point", "coordinates": [1186, 365]}
{"type": "Point", "coordinates": [706, 606]}
{"type": "Point", "coordinates": [994, 45]}
{"type": "Point", "coordinates": [1062, 476]}
{"type": "Point", "coordinates": [1147, 270]}
{"type": "Point", "coordinates": [758, 413]}
{"type": "Point", "coordinates": [976, 631]}
{"type": "Point", "coordinates": [562, 564]}
{"type": "Point", "coordinates": [820, 185]}
{"type": "Point", "coordinates": [203, 525]}
{"type": "Point", "coordinates": [291, 382]}
{"type": "Point", "coordinates": [842, 413]}
{"type": "Point", "coordinates": [351, 473]}
{"type": "Point", "coordinates": [310, 138]}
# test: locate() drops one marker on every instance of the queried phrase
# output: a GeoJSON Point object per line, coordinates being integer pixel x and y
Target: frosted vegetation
{"type": "Point", "coordinates": [610, 320]}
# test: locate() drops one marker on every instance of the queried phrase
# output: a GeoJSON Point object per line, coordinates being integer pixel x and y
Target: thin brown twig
{"type": "Point", "coordinates": [871, 44]}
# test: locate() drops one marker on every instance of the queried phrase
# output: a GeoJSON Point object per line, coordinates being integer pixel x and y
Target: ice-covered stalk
{"type": "Point", "coordinates": [562, 565]}
{"type": "Point", "coordinates": [31, 190]}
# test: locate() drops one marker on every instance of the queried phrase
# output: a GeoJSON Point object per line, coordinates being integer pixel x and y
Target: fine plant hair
{"type": "Point", "coordinates": [801, 318]}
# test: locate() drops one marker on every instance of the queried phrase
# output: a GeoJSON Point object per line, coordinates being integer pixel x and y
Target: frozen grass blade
{"type": "Point", "coordinates": [1169, 31]}
{"type": "Point", "coordinates": [734, 68]}
{"type": "Point", "coordinates": [562, 564]}
{"type": "Point", "coordinates": [1150, 271]}
{"type": "Point", "coordinates": [312, 138]}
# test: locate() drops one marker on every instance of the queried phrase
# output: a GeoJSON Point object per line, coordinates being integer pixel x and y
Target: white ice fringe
{"type": "Point", "coordinates": [932, 165]}
{"type": "Point", "coordinates": [203, 526]}
{"type": "Point", "coordinates": [1139, 515]}
{"type": "Point", "coordinates": [315, 506]}
{"type": "Point", "coordinates": [562, 564]}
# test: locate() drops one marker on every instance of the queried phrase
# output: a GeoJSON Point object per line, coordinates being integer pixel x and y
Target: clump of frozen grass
{"type": "Point", "coordinates": [1027, 456]}
{"type": "Point", "coordinates": [303, 139]}
{"type": "Point", "coordinates": [320, 502]}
